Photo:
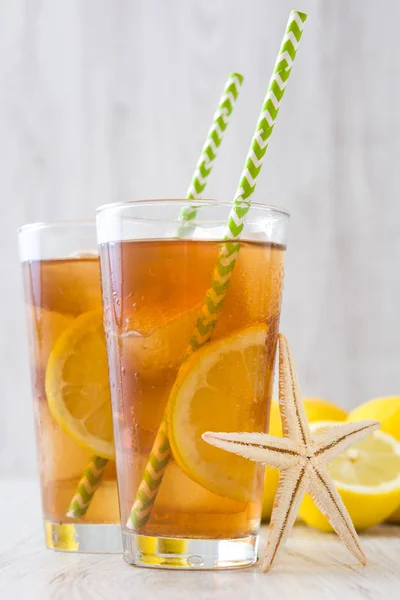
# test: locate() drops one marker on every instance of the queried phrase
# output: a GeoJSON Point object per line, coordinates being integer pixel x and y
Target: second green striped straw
{"type": "Point", "coordinates": [93, 473]}
{"type": "Point", "coordinates": [209, 150]}
{"type": "Point", "coordinates": [160, 454]}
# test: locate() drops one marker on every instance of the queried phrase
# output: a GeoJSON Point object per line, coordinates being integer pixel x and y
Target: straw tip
{"type": "Point", "coordinates": [303, 16]}
{"type": "Point", "coordinates": [238, 76]}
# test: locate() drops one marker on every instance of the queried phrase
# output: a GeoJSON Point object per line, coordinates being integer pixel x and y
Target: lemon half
{"type": "Point", "coordinates": [387, 411]}
{"type": "Point", "coordinates": [367, 477]}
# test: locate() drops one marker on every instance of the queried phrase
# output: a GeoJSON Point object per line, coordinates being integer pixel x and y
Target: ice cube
{"type": "Point", "coordinates": [67, 286]}
{"type": "Point", "coordinates": [151, 356]}
{"type": "Point", "coordinates": [255, 288]}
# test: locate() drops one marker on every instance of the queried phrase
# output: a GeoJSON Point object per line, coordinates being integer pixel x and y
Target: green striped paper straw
{"type": "Point", "coordinates": [212, 305]}
{"type": "Point", "coordinates": [210, 148]}
{"type": "Point", "coordinates": [80, 502]}
{"type": "Point", "coordinates": [87, 486]}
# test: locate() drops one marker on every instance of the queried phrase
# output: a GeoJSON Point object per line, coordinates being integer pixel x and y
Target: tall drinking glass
{"type": "Point", "coordinates": [72, 406]}
{"type": "Point", "coordinates": [184, 503]}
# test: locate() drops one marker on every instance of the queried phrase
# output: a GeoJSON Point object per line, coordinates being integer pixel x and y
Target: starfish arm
{"type": "Point", "coordinates": [259, 447]}
{"type": "Point", "coordinates": [326, 497]}
{"type": "Point", "coordinates": [294, 419]}
{"type": "Point", "coordinates": [339, 438]}
{"type": "Point", "coordinates": [292, 487]}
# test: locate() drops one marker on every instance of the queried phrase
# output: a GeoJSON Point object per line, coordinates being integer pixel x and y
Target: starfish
{"type": "Point", "coordinates": [301, 457]}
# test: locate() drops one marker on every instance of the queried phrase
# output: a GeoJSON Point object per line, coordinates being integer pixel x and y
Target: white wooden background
{"type": "Point", "coordinates": [104, 100]}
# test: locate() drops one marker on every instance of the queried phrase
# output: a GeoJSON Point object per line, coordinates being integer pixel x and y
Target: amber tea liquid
{"type": "Point", "coordinates": [153, 291]}
{"type": "Point", "coordinates": [58, 294]}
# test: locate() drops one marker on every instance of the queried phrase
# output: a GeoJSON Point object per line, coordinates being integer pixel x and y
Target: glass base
{"type": "Point", "coordinates": [88, 537]}
{"type": "Point", "coordinates": [191, 554]}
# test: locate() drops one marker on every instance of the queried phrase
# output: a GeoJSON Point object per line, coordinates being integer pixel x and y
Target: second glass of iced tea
{"type": "Point", "coordinates": [72, 406]}
{"type": "Point", "coordinates": [183, 503]}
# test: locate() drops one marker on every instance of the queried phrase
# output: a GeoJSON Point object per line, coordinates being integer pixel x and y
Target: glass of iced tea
{"type": "Point", "coordinates": [191, 348]}
{"type": "Point", "coordinates": [72, 407]}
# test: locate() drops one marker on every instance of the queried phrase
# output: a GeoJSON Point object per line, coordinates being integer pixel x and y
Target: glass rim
{"type": "Point", "coordinates": [199, 201]}
{"type": "Point", "coordinates": [39, 225]}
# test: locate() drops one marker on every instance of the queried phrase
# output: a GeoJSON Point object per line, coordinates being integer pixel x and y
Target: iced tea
{"type": "Point", "coordinates": [70, 392]}
{"type": "Point", "coordinates": [153, 291]}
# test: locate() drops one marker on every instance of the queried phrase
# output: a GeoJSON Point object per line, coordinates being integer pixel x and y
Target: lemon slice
{"type": "Point", "coordinates": [222, 387]}
{"type": "Point", "coordinates": [77, 385]}
{"type": "Point", "coordinates": [367, 477]}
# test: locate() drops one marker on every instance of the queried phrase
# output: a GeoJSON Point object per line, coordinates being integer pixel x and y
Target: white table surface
{"type": "Point", "coordinates": [312, 566]}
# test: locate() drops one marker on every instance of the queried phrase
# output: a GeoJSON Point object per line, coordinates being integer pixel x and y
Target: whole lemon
{"type": "Point", "coordinates": [316, 409]}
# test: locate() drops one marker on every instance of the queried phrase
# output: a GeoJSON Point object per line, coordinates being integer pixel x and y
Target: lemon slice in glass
{"type": "Point", "coordinates": [222, 387]}
{"type": "Point", "coordinates": [77, 385]}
